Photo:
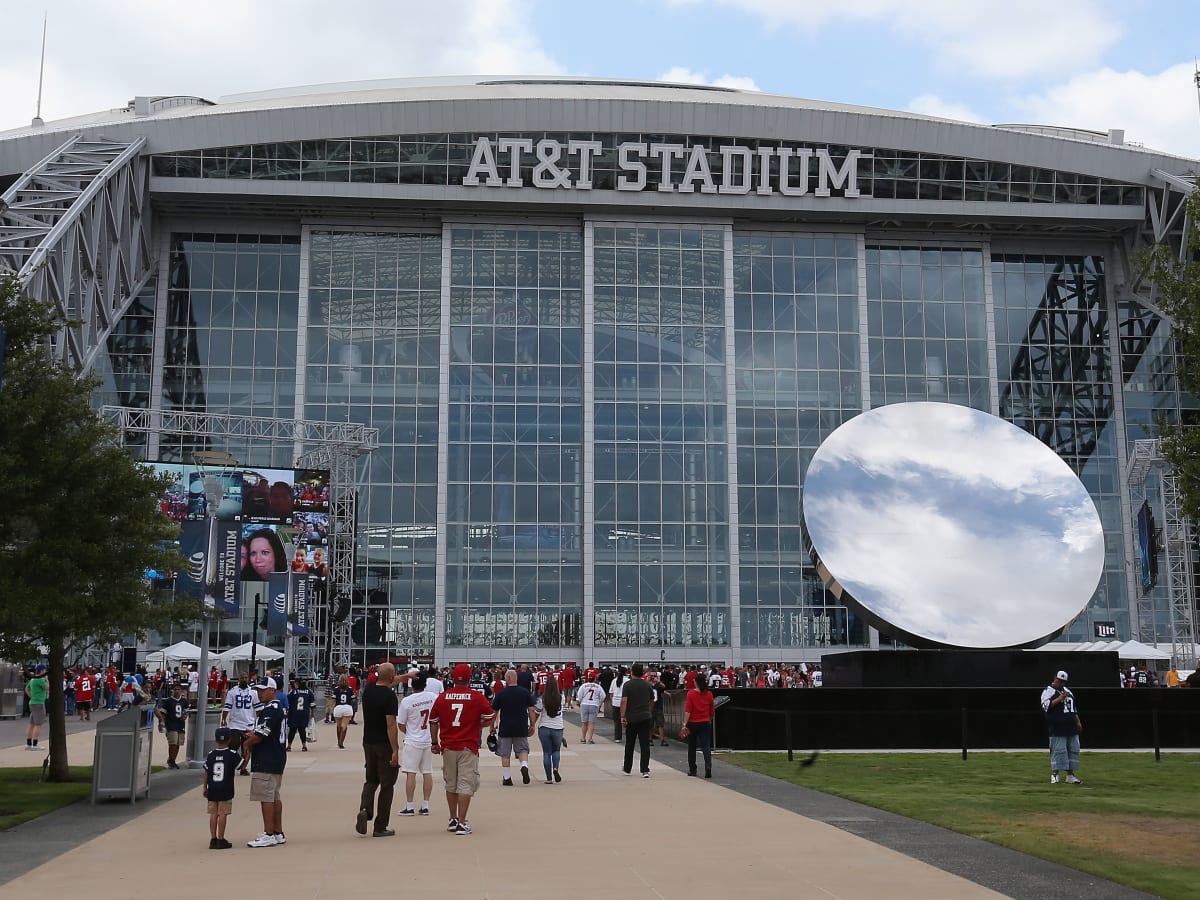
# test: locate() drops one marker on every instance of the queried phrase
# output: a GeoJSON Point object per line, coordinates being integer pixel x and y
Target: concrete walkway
{"type": "Point", "coordinates": [598, 832]}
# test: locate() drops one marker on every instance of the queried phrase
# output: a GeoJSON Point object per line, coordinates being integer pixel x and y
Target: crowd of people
{"type": "Point", "coordinates": [408, 717]}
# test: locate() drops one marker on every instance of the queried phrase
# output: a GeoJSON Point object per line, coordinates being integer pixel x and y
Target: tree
{"type": "Point", "coordinates": [1176, 278]}
{"type": "Point", "coordinates": [80, 522]}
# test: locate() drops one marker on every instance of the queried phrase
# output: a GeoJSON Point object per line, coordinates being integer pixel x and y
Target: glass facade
{"type": "Point", "coordinates": [1055, 375]}
{"type": "Point", "coordinates": [444, 159]}
{"type": "Point", "coordinates": [514, 512]}
{"type": "Point", "coordinates": [374, 322]}
{"type": "Point", "coordinates": [594, 433]}
{"type": "Point", "coordinates": [927, 325]}
{"type": "Point", "coordinates": [799, 376]}
{"type": "Point", "coordinates": [661, 535]}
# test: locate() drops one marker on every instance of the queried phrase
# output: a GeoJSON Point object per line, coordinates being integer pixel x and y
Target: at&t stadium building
{"type": "Point", "coordinates": [601, 328]}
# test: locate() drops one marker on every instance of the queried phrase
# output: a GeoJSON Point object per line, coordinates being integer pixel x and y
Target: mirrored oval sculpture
{"type": "Point", "coordinates": [944, 526]}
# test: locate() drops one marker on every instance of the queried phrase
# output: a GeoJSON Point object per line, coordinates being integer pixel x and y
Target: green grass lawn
{"type": "Point", "coordinates": [24, 796]}
{"type": "Point", "coordinates": [1132, 820]}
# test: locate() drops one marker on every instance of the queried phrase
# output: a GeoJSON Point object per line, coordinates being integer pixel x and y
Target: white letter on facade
{"type": "Point", "coordinates": [697, 170]}
{"type": "Point", "coordinates": [513, 147]}
{"type": "Point", "coordinates": [483, 162]}
{"type": "Point", "coordinates": [729, 182]}
{"type": "Point", "coordinates": [829, 175]}
{"type": "Point", "coordinates": [547, 174]}
{"type": "Point", "coordinates": [631, 165]}
{"type": "Point", "coordinates": [764, 170]}
{"type": "Point", "coordinates": [666, 152]}
{"type": "Point", "coordinates": [785, 187]}
{"type": "Point", "coordinates": [585, 149]}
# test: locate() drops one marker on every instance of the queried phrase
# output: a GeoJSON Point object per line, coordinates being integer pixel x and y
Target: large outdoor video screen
{"type": "Point", "coordinates": [266, 523]}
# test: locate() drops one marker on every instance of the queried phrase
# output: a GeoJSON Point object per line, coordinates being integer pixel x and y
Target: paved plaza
{"type": "Point", "coordinates": [595, 834]}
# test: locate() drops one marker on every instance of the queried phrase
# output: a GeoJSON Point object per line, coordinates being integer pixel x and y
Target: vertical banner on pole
{"type": "Point", "coordinates": [300, 590]}
{"type": "Point", "coordinates": [193, 544]}
{"type": "Point", "coordinates": [229, 566]}
{"type": "Point", "coordinates": [277, 603]}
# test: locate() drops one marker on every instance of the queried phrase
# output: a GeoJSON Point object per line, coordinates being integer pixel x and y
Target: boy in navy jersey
{"type": "Point", "coordinates": [220, 767]}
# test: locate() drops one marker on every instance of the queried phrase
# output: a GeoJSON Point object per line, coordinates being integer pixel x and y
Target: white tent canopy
{"type": "Point", "coordinates": [169, 657]}
{"type": "Point", "coordinates": [241, 654]}
{"type": "Point", "coordinates": [1126, 649]}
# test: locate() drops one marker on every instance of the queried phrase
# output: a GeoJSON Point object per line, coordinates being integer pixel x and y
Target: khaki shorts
{"type": "Point", "coordinates": [460, 771]}
{"type": "Point", "coordinates": [416, 759]}
{"type": "Point", "coordinates": [37, 713]}
{"type": "Point", "coordinates": [174, 738]}
{"type": "Point", "coordinates": [220, 807]}
{"type": "Point", "coordinates": [264, 787]}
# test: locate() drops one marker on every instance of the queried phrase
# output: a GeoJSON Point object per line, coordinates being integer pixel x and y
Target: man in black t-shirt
{"type": "Point", "coordinates": [220, 767]}
{"type": "Point", "coordinates": [268, 759]}
{"type": "Point", "coordinates": [172, 715]}
{"type": "Point", "coordinates": [658, 708]}
{"type": "Point", "coordinates": [381, 750]}
{"type": "Point", "coordinates": [637, 700]}
{"type": "Point", "coordinates": [515, 724]}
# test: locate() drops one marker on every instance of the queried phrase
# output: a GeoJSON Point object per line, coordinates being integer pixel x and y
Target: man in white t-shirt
{"type": "Point", "coordinates": [238, 714]}
{"type": "Point", "coordinates": [433, 684]}
{"type": "Point", "coordinates": [417, 754]}
{"type": "Point", "coordinates": [590, 695]}
{"type": "Point", "coordinates": [193, 688]}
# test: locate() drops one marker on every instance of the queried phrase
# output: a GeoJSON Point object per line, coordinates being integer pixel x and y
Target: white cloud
{"type": "Point", "coordinates": [1022, 38]}
{"type": "Point", "coordinates": [1159, 111]}
{"type": "Point", "coordinates": [100, 55]}
{"type": "Point", "coordinates": [932, 105]}
{"type": "Point", "coordinates": [680, 75]}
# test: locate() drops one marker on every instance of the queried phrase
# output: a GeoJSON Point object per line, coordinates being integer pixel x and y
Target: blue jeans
{"type": "Point", "coordinates": [551, 739]}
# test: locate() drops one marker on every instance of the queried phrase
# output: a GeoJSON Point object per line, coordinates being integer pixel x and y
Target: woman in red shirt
{"type": "Point", "coordinates": [698, 712]}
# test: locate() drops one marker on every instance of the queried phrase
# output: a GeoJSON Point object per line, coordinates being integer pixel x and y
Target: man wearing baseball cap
{"type": "Point", "coordinates": [457, 716]}
{"type": "Point", "coordinates": [36, 689]}
{"type": "Point", "coordinates": [268, 758]}
{"type": "Point", "coordinates": [1062, 721]}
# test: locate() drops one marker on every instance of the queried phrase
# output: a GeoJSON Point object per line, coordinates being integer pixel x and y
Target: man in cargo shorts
{"type": "Point", "coordinates": [454, 723]}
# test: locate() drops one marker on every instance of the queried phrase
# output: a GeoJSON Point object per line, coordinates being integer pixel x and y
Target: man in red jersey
{"type": "Point", "coordinates": [457, 716]}
{"type": "Point", "coordinates": [85, 693]}
{"type": "Point", "coordinates": [566, 684]}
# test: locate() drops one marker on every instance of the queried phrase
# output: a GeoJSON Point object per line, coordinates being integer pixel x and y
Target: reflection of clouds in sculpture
{"type": "Point", "coordinates": [953, 526]}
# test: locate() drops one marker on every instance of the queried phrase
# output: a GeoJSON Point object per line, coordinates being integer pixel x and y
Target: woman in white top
{"type": "Point", "coordinates": [617, 689]}
{"type": "Point", "coordinates": [550, 730]}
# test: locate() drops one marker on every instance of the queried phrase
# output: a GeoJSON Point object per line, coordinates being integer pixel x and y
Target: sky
{"type": "Point", "coordinates": [1095, 64]}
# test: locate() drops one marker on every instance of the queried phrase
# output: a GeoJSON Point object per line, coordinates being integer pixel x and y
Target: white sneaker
{"type": "Point", "coordinates": [1071, 779]}
{"type": "Point", "coordinates": [263, 840]}
{"type": "Point", "coordinates": [1054, 779]}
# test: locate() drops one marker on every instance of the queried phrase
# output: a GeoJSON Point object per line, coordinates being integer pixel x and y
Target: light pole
{"type": "Point", "coordinates": [213, 493]}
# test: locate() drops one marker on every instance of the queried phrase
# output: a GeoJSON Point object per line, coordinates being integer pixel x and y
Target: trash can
{"type": "Point", "coordinates": [212, 720]}
{"type": "Point", "coordinates": [121, 761]}
{"type": "Point", "coordinates": [11, 691]}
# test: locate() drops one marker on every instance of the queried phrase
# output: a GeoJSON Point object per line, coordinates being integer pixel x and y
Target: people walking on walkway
{"type": "Point", "coordinates": [590, 696]}
{"type": "Point", "coordinates": [637, 698]}
{"type": "Point", "coordinates": [381, 752]}
{"type": "Point", "coordinates": [618, 687]}
{"type": "Point", "coordinates": [698, 710]}
{"type": "Point", "coordinates": [343, 708]}
{"type": "Point", "coordinates": [515, 725]}
{"type": "Point", "coordinates": [550, 730]}
{"type": "Point", "coordinates": [416, 756]}
{"type": "Point", "coordinates": [454, 722]}
{"type": "Point", "coordinates": [172, 713]}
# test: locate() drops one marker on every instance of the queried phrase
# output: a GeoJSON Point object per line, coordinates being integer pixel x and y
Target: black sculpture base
{"type": "Point", "coordinates": [968, 668]}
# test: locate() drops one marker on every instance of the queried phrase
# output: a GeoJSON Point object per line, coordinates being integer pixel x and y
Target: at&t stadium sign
{"type": "Point", "coordinates": [667, 167]}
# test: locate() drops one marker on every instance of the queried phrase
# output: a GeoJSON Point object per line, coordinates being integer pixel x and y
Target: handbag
{"type": "Point", "coordinates": [684, 732]}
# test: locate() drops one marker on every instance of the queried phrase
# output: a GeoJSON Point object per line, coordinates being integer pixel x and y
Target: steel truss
{"type": "Point", "coordinates": [1177, 550]}
{"type": "Point", "coordinates": [75, 229]}
{"type": "Point", "coordinates": [336, 446]}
